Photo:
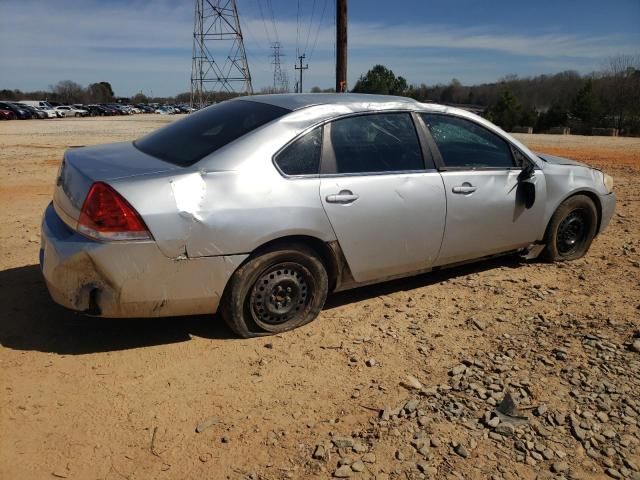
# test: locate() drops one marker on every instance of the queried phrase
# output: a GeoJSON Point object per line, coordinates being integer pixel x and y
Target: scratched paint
{"type": "Point", "coordinates": [188, 192]}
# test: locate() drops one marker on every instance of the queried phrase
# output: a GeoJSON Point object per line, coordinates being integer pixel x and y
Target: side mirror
{"type": "Point", "coordinates": [526, 190]}
{"type": "Point", "coordinates": [527, 171]}
{"type": "Point", "coordinates": [526, 193]}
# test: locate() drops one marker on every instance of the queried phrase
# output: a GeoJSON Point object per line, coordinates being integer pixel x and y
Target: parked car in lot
{"type": "Point", "coordinates": [109, 110]}
{"type": "Point", "coordinates": [35, 112]}
{"type": "Point", "coordinates": [21, 113]}
{"type": "Point", "coordinates": [119, 108]}
{"type": "Point", "coordinates": [71, 111]}
{"type": "Point", "coordinates": [7, 115]}
{"type": "Point", "coordinates": [99, 111]}
{"type": "Point", "coordinates": [146, 108]}
{"type": "Point", "coordinates": [49, 112]}
{"type": "Point", "coordinates": [165, 110]}
{"type": "Point", "coordinates": [259, 206]}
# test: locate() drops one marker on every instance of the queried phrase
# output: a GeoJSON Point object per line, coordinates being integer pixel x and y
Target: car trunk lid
{"type": "Point", "coordinates": [81, 167]}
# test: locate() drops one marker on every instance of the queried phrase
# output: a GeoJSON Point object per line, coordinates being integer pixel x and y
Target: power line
{"type": "Point", "coordinates": [315, 42]}
{"type": "Point", "coordinates": [298, 29]}
{"type": "Point", "coordinates": [313, 11]}
{"type": "Point", "coordinates": [273, 20]}
{"type": "Point", "coordinates": [266, 30]}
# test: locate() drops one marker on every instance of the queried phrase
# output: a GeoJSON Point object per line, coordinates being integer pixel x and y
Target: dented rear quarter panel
{"type": "Point", "coordinates": [234, 200]}
{"type": "Point", "coordinates": [125, 275]}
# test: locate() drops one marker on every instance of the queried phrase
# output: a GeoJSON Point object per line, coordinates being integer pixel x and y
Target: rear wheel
{"type": "Point", "coordinates": [571, 229]}
{"type": "Point", "coordinates": [276, 290]}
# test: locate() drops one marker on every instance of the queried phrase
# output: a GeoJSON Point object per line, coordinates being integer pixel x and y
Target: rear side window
{"type": "Point", "coordinates": [376, 143]}
{"type": "Point", "coordinates": [463, 144]}
{"type": "Point", "coordinates": [302, 157]}
{"type": "Point", "coordinates": [186, 141]}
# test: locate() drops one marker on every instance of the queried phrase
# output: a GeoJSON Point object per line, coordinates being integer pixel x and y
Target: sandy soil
{"type": "Point", "coordinates": [88, 398]}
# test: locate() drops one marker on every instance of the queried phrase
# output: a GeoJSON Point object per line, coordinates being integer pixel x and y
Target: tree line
{"type": "Point", "coordinates": [68, 92]}
{"type": "Point", "coordinates": [609, 98]}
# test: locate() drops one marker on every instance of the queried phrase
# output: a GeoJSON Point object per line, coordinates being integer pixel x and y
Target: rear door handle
{"type": "Point", "coordinates": [344, 197]}
{"type": "Point", "coordinates": [464, 188]}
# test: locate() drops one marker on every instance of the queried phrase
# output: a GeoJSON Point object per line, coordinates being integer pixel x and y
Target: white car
{"type": "Point", "coordinates": [72, 111]}
{"type": "Point", "coordinates": [165, 111]}
{"type": "Point", "coordinates": [51, 113]}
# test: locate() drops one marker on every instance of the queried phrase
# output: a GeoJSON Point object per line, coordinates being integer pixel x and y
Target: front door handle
{"type": "Point", "coordinates": [344, 197]}
{"type": "Point", "coordinates": [465, 188]}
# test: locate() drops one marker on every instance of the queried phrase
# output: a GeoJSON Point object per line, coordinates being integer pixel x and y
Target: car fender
{"type": "Point", "coordinates": [564, 181]}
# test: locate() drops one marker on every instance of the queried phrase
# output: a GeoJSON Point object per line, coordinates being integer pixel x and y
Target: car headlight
{"type": "Point", "coordinates": [608, 182]}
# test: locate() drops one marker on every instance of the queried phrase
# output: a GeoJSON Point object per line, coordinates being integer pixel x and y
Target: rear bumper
{"type": "Point", "coordinates": [127, 279]}
{"type": "Point", "coordinates": [608, 204]}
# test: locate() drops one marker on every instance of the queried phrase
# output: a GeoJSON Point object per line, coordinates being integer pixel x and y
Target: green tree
{"type": "Point", "coordinates": [506, 111]}
{"type": "Point", "coordinates": [139, 98]}
{"type": "Point", "coordinates": [382, 81]}
{"type": "Point", "coordinates": [556, 116]}
{"type": "Point", "coordinates": [100, 92]}
{"type": "Point", "coordinates": [586, 106]}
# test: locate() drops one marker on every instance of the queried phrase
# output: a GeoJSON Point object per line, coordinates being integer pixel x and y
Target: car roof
{"type": "Point", "coordinates": [354, 101]}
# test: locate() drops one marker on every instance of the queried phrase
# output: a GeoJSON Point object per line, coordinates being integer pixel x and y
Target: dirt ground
{"type": "Point", "coordinates": [85, 398]}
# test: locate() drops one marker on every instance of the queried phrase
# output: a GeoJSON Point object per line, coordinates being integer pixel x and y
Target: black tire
{"type": "Point", "coordinates": [571, 229]}
{"type": "Point", "coordinates": [277, 289]}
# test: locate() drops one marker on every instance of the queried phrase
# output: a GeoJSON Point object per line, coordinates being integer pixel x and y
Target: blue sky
{"type": "Point", "coordinates": [145, 45]}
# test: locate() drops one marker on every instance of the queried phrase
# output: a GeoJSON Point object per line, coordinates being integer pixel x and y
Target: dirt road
{"type": "Point", "coordinates": [86, 398]}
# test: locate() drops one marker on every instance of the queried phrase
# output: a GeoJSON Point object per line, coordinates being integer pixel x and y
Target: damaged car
{"type": "Point", "coordinates": [258, 207]}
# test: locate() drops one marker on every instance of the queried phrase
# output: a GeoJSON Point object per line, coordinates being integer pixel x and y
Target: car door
{"type": "Point", "coordinates": [386, 206]}
{"type": "Point", "coordinates": [487, 206]}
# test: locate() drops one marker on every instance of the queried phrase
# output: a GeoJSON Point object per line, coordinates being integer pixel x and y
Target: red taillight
{"type": "Point", "coordinates": [106, 215]}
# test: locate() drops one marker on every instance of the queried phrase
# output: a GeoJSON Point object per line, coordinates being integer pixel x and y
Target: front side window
{"type": "Point", "coordinates": [385, 142]}
{"type": "Point", "coordinates": [302, 157]}
{"type": "Point", "coordinates": [187, 141]}
{"type": "Point", "coordinates": [463, 144]}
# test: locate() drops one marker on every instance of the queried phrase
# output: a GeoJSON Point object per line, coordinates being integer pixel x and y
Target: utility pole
{"type": "Point", "coordinates": [301, 68]}
{"type": "Point", "coordinates": [341, 46]}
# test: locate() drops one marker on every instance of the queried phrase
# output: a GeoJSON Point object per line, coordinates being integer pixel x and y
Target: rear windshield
{"type": "Point", "coordinates": [186, 141]}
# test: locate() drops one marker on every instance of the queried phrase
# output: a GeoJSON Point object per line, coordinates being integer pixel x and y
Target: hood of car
{"type": "Point", "coordinates": [560, 160]}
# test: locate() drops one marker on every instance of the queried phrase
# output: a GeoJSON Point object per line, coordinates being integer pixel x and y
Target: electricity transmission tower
{"type": "Point", "coordinates": [280, 80]}
{"type": "Point", "coordinates": [216, 29]}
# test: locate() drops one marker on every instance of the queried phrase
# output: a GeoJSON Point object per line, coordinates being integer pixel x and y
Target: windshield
{"type": "Point", "coordinates": [193, 138]}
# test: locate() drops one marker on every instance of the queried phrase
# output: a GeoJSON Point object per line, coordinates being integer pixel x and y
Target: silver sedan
{"type": "Point", "coordinates": [260, 206]}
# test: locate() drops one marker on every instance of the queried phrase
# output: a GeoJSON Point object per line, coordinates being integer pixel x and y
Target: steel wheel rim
{"type": "Point", "coordinates": [572, 232]}
{"type": "Point", "coordinates": [281, 294]}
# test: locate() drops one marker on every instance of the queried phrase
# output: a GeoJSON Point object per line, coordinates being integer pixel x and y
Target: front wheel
{"type": "Point", "coordinates": [571, 229]}
{"type": "Point", "coordinates": [274, 291]}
